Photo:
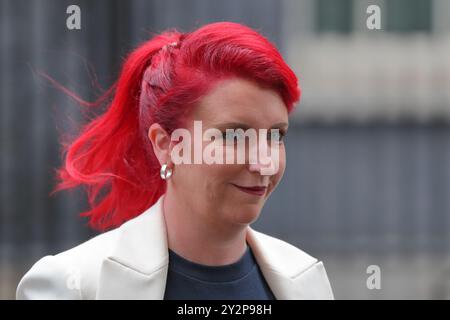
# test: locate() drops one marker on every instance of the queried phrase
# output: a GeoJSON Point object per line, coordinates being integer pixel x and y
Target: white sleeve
{"type": "Point", "coordinates": [49, 279]}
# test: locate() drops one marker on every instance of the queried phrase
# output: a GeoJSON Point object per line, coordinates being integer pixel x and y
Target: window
{"type": "Point", "coordinates": [402, 16]}
{"type": "Point", "coordinates": [334, 16]}
{"type": "Point", "coordinates": [408, 15]}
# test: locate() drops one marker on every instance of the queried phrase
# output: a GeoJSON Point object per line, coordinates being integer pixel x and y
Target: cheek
{"type": "Point", "coordinates": [282, 166]}
{"type": "Point", "coordinates": [220, 176]}
{"type": "Point", "coordinates": [216, 183]}
{"type": "Point", "coordinates": [282, 162]}
{"type": "Point", "coordinates": [206, 179]}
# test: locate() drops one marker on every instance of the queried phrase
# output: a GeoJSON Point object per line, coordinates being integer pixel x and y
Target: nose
{"type": "Point", "coordinates": [261, 168]}
{"type": "Point", "coordinates": [264, 163]}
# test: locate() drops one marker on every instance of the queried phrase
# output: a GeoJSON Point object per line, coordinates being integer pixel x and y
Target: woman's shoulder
{"type": "Point", "coordinates": [69, 274]}
{"type": "Point", "coordinates": [279, 250]}
{"type": "Point", "coordinates": [74, 273]}
{"type": "Point", "coordinates": [293, 272]}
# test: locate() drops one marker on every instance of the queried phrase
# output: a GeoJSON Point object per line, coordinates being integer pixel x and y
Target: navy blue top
{"type": "Point", "coordinates": [187, 280]}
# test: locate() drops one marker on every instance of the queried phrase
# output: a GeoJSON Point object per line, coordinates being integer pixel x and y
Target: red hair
{"type": "Point", "coordinates": [160, 82]}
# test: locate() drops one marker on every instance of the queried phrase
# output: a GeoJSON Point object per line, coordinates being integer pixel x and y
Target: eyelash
{"type": "Point", "coordinates": [282, 135]}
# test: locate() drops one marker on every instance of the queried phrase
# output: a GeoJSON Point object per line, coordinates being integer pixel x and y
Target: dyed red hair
{"type": "Point", "coordinates": [160, 82]}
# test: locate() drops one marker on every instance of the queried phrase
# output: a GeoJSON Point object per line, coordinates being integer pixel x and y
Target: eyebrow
{"type": "Point", "coordinates": [234, 125]}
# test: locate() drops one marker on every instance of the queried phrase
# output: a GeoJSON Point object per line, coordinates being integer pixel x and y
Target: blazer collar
{"type": "Point", "coordinates": [138, 264]}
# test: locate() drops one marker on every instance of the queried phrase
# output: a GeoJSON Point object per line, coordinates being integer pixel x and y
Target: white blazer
{"type": "Point", "coordinates": [131, 262]}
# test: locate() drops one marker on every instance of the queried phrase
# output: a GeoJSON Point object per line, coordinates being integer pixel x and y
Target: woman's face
{"type": "Point", "coordinates": [215, 190]}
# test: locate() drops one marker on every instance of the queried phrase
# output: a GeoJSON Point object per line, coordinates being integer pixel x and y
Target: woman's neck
{"type": "Point", "coordinates": [201, 237]}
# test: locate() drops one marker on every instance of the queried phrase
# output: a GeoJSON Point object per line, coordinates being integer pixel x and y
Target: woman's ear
{"type": "Point", "coordinates": [161, 142]}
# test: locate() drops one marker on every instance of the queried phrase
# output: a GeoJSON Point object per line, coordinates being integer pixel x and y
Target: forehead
{"type": "Point", "coordinates": [240, 100]}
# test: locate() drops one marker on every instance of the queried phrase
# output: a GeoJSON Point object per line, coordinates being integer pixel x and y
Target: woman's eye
{"type": "Point", "coordinates": [228, 136]}
{"type": "Point", "coordinates": [275, 135]}
{"type": "Point", "coordinates": [237, 135]}
{"type": "Point", "coordinates": [233, 135]}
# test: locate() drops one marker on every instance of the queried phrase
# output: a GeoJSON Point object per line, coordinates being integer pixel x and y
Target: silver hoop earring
{"type": "Point", "coordinates": [165, 172]}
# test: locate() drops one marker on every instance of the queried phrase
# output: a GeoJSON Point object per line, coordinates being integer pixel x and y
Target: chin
{"type": "Point", "coordinates": [246, 214]}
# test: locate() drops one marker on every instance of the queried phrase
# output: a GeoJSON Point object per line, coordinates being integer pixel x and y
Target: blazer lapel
{"type": "Point", "coordinates": [290, 273]}
{"type": "Point", "coordinates": [137, 267]}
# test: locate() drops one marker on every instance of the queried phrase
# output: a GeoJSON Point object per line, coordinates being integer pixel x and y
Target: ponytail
{"type": "Point", "coordinates": [112, 155]}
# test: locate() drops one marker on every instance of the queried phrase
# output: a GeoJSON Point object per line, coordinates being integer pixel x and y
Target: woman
{"type": "Point", "coordinates": [181, 230]}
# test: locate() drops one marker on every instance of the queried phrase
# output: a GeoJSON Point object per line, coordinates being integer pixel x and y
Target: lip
{"type": "Point", "coordinates": [254, 190]}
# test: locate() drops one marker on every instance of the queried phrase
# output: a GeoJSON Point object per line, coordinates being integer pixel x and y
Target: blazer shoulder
{"type": "Point", "coordinates": [71, 274]}
{"type": "Point", "coordinates": [48, 279]}
{"type": "Point", "coordinates": [294, 273]}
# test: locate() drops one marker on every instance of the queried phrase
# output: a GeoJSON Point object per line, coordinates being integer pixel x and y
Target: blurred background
{"type": "Point", "coordinates": [368, 169]}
